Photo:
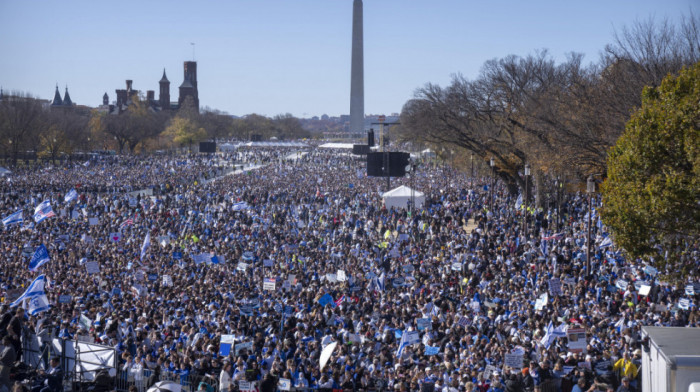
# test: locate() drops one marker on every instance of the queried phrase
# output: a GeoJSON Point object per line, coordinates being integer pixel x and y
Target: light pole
{"type": "Point", "coordinates": [590, 189]}
{"type": "Point", "coordinates": [471, 160]}
{"type": "Point", "coordinates": [557, 184]}
{"type": "Point", "coordinates": [492, 163]}
{"type": "Point", "coordinates": [527, 174]}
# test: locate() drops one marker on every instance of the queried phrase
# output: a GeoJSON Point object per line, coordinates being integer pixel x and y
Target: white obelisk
{"type": "Point", "coordinates": [357, 78]}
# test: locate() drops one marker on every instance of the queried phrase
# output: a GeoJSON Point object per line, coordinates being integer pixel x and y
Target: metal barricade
{"type": "Point", "coordinates": [142, 380]}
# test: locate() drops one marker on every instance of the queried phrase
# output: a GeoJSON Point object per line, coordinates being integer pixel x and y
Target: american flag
{"type": "Point", "coordinates": [556, 237]}
{"type": "Point", "coordinates": [127, 222]}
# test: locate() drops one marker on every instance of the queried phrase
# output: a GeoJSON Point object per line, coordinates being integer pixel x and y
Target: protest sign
{"type": "Point", "coordinates": [514, 360]}
{"type": "Point", "coordinates": [429, 350]}
{"type": "Point", "coordinates": [247, 386]}
{"type": "Point", "coordinates": [92, 267]}
{"type": "Point", "coordinates": [577, 339]}
{"type": "Point", "coordinates": [64, 299]}
{"type": "Point", "coordinates": [225, 345]}
{"type": "Point", "coordinates": [555, 286]}
{"type": "Point", "coordinates": [644, 290]}
{"type": "Point", "coordinates": [285, 384]}
{"type": "Point", "coordinates": [423, 323]}
{"type": "Point", "coordinates": [490, 370]}
{"type": "Point", "coordinates": [621, 284]}
{"type": "Point", "coordinates": [286, 285]}
{"type": "Point", "coordinates": [246, 310]}
{"type": "Point", "coordinates": [541, 302]}
{"type": "Point", "coordinates": [269, 284]}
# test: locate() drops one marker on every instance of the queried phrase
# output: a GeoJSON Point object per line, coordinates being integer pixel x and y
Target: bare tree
{"type": "Point", "coordinates": [21, 116]}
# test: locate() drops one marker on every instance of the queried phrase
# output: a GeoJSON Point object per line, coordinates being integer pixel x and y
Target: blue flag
{"type": "Point", "coordinates": [41, 257]}
{"type": "Point", "coordinates": [70, 196]}
{"type": "Point", "coordinates": [146, 245]}
{"type": "Point", "coordinates": [13, 218]}
{"type": "Point", "coordinates": [325, 300]}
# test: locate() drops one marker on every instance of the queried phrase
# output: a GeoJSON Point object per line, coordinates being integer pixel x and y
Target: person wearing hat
{"type": "Point", "coordinates": [625, 386]}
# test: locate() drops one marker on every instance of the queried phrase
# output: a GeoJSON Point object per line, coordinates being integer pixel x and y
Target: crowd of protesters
{"type": "Point", "coordinates": [255, 256]}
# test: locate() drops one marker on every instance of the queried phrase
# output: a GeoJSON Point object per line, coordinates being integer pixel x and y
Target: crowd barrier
{"type": "Point", "coordinates": [142, 380]}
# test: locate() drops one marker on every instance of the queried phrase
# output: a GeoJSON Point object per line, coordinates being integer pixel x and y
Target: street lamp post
{"type": "Point", "coordinates": [471, 160]}
{"type": "Point", "coordinates": [590, 189]}
{"type": "Point", "coordinates": [492, 163]}
{"type": "Point", "coordinates": [557, 184]}
{"type": "Point", "coordinates": [527, 174]}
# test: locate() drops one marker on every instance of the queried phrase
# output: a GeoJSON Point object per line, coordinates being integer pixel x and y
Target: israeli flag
{"type": "Point", "coordinates": [41, 257]}
{"type": "Point", "coordinates": [70, 196]}
{"type": "Point", "coordinates": [13, 218]}
{"type": "Point", "coordinates": [35, 295]}
{"type": "Point", "coordinates": [607, 242]}
{"type": "Point", "coordinates": [377, 283]}
{"type": "Point", "coordinates": [240, 206]}
{"type": "Point", "coordinates": [43, 211]}
{"type": "Point", "coordinates": [519, 202]}
{"type": "Point", "coordinates": [38, 304]}
{"type": "Point", "coordinates": [402, 346]}
{"type": "Point", "coordinates": [146, 245]}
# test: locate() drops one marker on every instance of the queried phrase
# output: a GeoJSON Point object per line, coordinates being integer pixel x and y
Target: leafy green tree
{"type": "Point", "coordinates": [652, 193]}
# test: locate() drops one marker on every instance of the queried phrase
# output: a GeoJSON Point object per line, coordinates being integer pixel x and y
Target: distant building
{"type": "Point", "coordinates": [188, 88]}
{"type": "Point", "coordinates": [59, 102]}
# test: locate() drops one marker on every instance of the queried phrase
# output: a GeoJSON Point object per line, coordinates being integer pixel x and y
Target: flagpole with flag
{"type": "Point", "coordinates": [43, 211]}
{"type": "Point", "coordinates": [146, 245]}
{"type": "Point", "coordinates": [41, 257]}
{"type": "Point", "coordinates": [70, 196]}
{"type": "Point", "coordinates": [36, 297]}
{"type": "Point", "coordinates": [14, 218]}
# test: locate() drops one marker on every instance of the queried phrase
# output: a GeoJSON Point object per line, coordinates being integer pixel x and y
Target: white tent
{"type": "Point", "coordinates": [400, 197]}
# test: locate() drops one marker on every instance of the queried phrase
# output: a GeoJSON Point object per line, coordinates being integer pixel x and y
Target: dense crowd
{"type": "Point", "coordinates": [465, 280]}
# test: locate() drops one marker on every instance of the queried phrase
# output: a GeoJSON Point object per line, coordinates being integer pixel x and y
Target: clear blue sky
{"type": "Point", "coordinates": [278, 56]}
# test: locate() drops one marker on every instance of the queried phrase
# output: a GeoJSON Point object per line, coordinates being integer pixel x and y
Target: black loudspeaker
{"type": "Point", "coordinates": [255, 138]}
{"type": "Point", "coordinates": [208, 147]}
{"type": "Point", "coordinates": [370, 138]}
{"type": "Point", "coordinates": [377, 163]}
{"type": "Point", "coordinates": [360, 149]}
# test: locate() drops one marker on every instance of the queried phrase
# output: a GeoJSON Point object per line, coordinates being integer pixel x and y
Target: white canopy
{"type": "Point", "coordinates": [400, 197]}
{"type": "Point", "coordinates": [336, 145]}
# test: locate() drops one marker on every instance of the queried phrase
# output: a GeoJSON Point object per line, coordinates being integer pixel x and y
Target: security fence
{"type": "Point", "coordinates": [142, 379]}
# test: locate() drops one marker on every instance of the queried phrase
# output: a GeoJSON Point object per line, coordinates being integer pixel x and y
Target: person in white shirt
{"type": "Point", "coordinates": [225, 378]}
{"type": "Point", "coordinates": [137, 372]}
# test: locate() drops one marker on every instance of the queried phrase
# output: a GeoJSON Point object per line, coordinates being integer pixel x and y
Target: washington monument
{"type": "Point", "coordinates": [357, 78]}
